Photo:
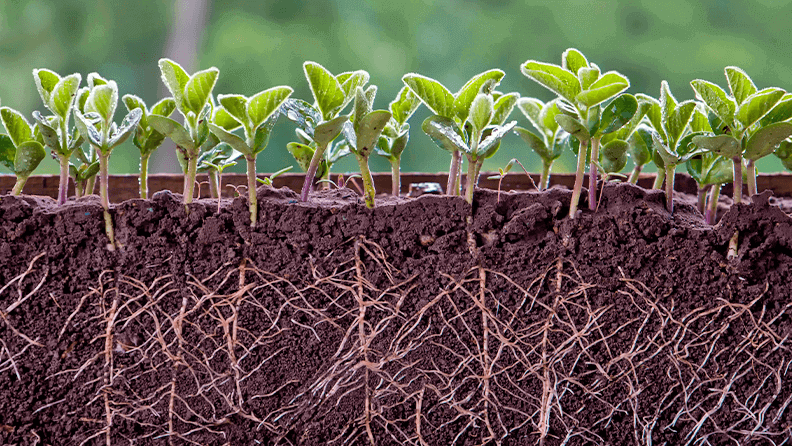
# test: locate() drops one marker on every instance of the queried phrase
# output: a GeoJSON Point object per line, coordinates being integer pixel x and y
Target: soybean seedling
{"type": "Point", "coordinates": [747, 124]}
{"type": "Point", "coordinates": [479, 143]}
{"type": "Point", "coordinates": [58, 94]}
{"type": "Point", "coordinates": [268, 181]}
{"type": "Point", "coordinates": [503, 171]}
{"type": "Point", "coordinates": [303, 152]}
{"type": "Point", "coordinates": [146, 138]}
{"type": "Point", "coordinates": [214, 161]}
{"type": "Point", "coordinates": [362, 134]}
{"type": "Point", "coordinates": [85, 173]}
{"type": "Point", "coordinates": [321, 122]}
{"type": "Point", "coordinates": [672, 137]}
{"type": "Point", "coordinates": [20, 151]}
{"type": "Point", "coordinates": [452, 108]}
{"type": "Point", "coordinates": [257, 116]}
{"type": "Point", "coordinates": [394, 138]}
{"type": "Point", "coordinates": [582, 88]}
{"type": "Point", "coordinates": [192, 96]}
{"type": "Point", "coordinates": [549, 145]}
{"type": "Point", "coordinates": [103, 134]}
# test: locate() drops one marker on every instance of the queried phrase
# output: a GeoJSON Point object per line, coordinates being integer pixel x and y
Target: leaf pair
{"type": "Point", "coordinates": [20, 151]}
{"type": "Point", "coordinates": [447, 135]}
{"type": "Point", "coordinates": [146, 138]}
{"type": "Point", "coordinates": [600, 122]}
{"type": "Point", "coordinates": [332, 93]}
{"type": "Point", "coordinates": [191, 93]}
{"type": "Point", "coordinates": [363, 132]}
{"type": "Point", "coordinates": [100, 108]}
{"type": "Point", "coordinates": [57, 92]}
{"type": "Point", "coordinates": [453, 106]}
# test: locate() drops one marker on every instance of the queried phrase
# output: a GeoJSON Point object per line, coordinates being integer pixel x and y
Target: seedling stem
{"type": "Point", "coordinates": [659, 179]}
{"type": "Point", "coordinates": [544, 181]}
{"type": "Point", "coordinates": [396, 177]}
{"type": "Point", "coordinates": [712, 208]}
{"type": "Point", "coordinates": [252, 198]}
{"type": "Point", "coordinates": [452, 188]}
{"type": "Point", "coordinates": [144, 176]}
{"type": "Point", "coordinates": [751, 178]}
{"type": "Point", "coordinates": [669, 183]}
{"type": "Point", "coordinates": [310, 175]}
{"type": "Point", "coordinates": [581, 168]}
{"type": "Point", "coordinates": [636, 172]}
{"type": "Point", "coordinates": [593, 173]}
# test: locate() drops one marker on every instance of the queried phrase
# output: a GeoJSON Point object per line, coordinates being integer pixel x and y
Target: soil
{"type": "Point", "coordinates": [422, 322]}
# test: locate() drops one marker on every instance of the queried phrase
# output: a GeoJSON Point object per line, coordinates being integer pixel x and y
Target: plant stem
{"type": "Point", "coordinates": [214, 187]}
{"type": "Point", "coordinates": [90, 186]}
{"type": "Point", "coordinates": [472, 178]}
{"type": "Point", "coordinates": [144, 159]}
{"type": "Point", "coordinates": [635, 173]}
{"type": "Point", "coordinates": [751, 178]}
{"type": "Point", "coordinates": [310, 175]}
{"type": "Point", "coordinates": [712, 207]}
{"type": "Point", "coordinates": [669, 181]}
{"type": "Point", "coordinates": [738, 179]}
{"type": "Point", "coordinates": [79, 189]}
{"type": "Point", "coordinates": [544, 181]}
{"type": "Point", "coordinates": [453, 173]}
{"type": "Point", "coordinates": [20, 183]}
{"type": "Point", "coordinates": [659, 178]}
{"type": "Point", "coordinates": [593, 173]}
{"type": "Point", "coordinates": [252, 198]}
{"type": "Point", "coordinates": [63, 185]}
{"type": "Point", "coordinates": [581, 168]}
{"type": "Point", "coordinates": [368, 182]}
{"type": "Point", "coordinates": [702, 197]}
{"type": "Point", "coordinates": [189, 179]}
{"type": "Point", "coordinates": [396, 177]}
{"type": "Point", "coordinates": [103, 177]}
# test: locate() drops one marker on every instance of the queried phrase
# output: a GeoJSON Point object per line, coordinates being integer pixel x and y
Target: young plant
{"type": "Point", "coordinates": [362, 134]}
{"type": "Point", "coordinates": [303, 152]}
{"type": "Point", "coordinates": [84, 175]}
{"type": "Point", "coordinates": [549, 146]}
{"type": "Point", "coordinates": [267, 181]}
{"type": "Point", "coordinates": [146, 138]}
{"type": "Point", "coordinates": [394, 138]}
{"type": "Point", "coordinates": [479, 143]}
{"type": "Point", "coordinates": [257, 116]}
{"type": "Point", "coordinates": [710, 171]}
{"type": "Point", "coordinates": [20, 151]}
{"type": "Point", "coordinates": [58, 94]}
{"type": "Point", "coordinates": [214, 161]}
{"type": "Point", "coordinates": [103, 134]}
{"type": "Point", "coordinates": [747, 124]}
{"type": "Point", "coordinates": [452, 107]}
{"type": "Point", "coordinates": [192, 97]}
{"type": "Point", "coordinates": [641, 150]}
{"type": "Point", "coordinates": [672, 137]}
{"type": "Point", "coordinates": [582, 88]}
{"type": "Point", "coordinates": [321, 122]}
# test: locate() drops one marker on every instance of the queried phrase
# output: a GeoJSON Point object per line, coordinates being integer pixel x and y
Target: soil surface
{"type": "Point", "coordinates": [422, 322]}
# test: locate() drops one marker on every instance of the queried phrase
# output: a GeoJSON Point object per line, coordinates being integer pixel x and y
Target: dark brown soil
{"type": "Point", "coordinates": [414, 323]}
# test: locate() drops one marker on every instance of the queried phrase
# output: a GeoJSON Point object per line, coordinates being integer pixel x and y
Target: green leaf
{"type": "Point", "coordinates": [724, 145]}
{"type": "Point", "coordinates": [362, 107]}
{"type": "Point", "coordinates": [640, 146]}
{"type": "Point", "coordinates": [405, 104]}
{"type": "Point", "coordinates": [369, 131]}
{"type": "Point", "coordinates": [653, 113]}
{"type": "Point", "coordinates": [757, 105]}
{"type": "Point", "coordinates": [173, 130]}
{"type": "Point", "coordinates": [556, 79]}
{"type": "Point", "coordinates": [667, 101]}
{"type": "Point", "coordinates": [236, 106]}
{"type": "Point", "coordinates": [103, 99]}
{"type": "Point", "coordinates": [128, 125]}
{"type": "Point", "coordinates": [28, 156]}
{"type": "Point", "coordinates": [687, 149]}
{"type": "Point", "coordinates": [503, 108]}
{"type": "Point", "coordinates": [198, 89]}
{"type": "Point", "coordinates": [329, 130]}
{"type": "Point", "coordinates": [782, 111]}
{"type": "Point", "coordinates": [48, 134]}
{"type": "Point", "coordinates": [7, 152]}
{"type": "Point", "coordinates": [481, 111]}
{"type": "Point", "coordinates": [699, 122]}
{"type": "Point", "coordinates": [224, 119]}
{"type": "Point", "coordinates": [400, 143]}
{"type": "Point", "coordinates": [164, 107]}
{"type": "Point", "coordinates": [716, 170]}
{"type": "Point", "coordinates": [175, 79]}
{"type": "Point", "coordinates": [716, 99]}
{"type": "Point", "coordinates": [152, 142]}
{"type": "Point", "coordinates": [327, 92]}
{"type": "Point", "coordinates": [63, 95]}
{"type": "Point", "coordinates": [675, 123]}
{"type": "Point", "coordinates": [765, 141]}
{"type": "Point", "coordinates": [547, 118]}
{"type": "Point", "coordinates": [132, 102]}
{"type": "Point", "coordinates": [618, 113]}
{"type": "Point", "coordinates": [350, 81]}
{"type": "Point", "coordinates": [302, 154]}
{"type": "Point", "coordinates": [491, 142]}
{"type": "Point", "coordinates": [94, 79]}
{"type": "Point", "coordinates": [87, 129]}
{"type": "Point", "coordinates": [606, 87]}
{"type": "Point", "coordinates": [445, 133]}
{"type": "Point", "coordinates": [614, 155]}
{"type": "Point", "coordinates": [82, 98]}
{"type": "Point", "coordinates": [16, 125]}
{"type": "Point", "coordinates": [231, 139]}
{"type": "Point", "coordinates": [588, 76]}
{"type": "Point", "coordinates": [531, 108]}
{"type": "Point", "coordinates": [262, 105]}
{"type": "Point", "coordinates": [740, 84]}
{"type": "Point", "coordinates": [263, 131]}
{"type": "Point", "coordinates": [536, 143]}
{"type": "Point", "coordinates": [573, 60]}
{"type": "Point", "coordinates": [573, 127]}
{"type": "Point", "coordinates": [46, 80]}
{"type": "Point", "coordinates": [484, 82]}
{"type": "Point", "coordinates": [434, 95]}
{"type": "Point", "coordinates": [660, 148]}
{"type": "Point", "coordinates": [303, 114]}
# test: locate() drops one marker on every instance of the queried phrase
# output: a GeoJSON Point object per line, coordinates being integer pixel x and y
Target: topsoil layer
{"type": "Point", "coordinates": [332, 324]}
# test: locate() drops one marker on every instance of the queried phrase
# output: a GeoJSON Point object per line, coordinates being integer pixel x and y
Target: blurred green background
{"type": "Point", "coordinates": [260, 44]}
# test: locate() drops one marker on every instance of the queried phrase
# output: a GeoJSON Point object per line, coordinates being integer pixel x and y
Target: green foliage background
{"type": "Point", "coordinates": [258, 45]}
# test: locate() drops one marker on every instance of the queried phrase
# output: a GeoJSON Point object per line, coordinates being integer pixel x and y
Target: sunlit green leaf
{"type": "Point", "coordinates": [16, 125]}
{"type": "Point", "coordinates": [573, 127]}
{"type": "Point", "coordinates": [556, 79]}
{"type": "Point", "coordinates": [7, 152]}
{"type": "Point", "coordinates": [588, 76]}
{"type": "Point", "coordinates": [132, 102]}
{"type": "Point", "coordinates": [531, 108]}
{"type": "Point", "coordinates": [445, 133]}
{"type": "Point", "coordinates": [173, 130]}
{"type": "Point", "coordinates": [126, 128]}
{"type": "Point", "coordinates": [675, 123]}
{"type": "Point", "coordinates": [328, 131]}
{"type": "Point", "coordinates": [262, 105]}
{"type": "Point", "coordinates": [489, 145]}
{"type": "Point", "coordinates": [503, 108]}
{"type": "Point", "coordinates": [231, 139]}
{"type": "Point", "coordinates": [46, 80]}
{"type": "Point", "coordinates": [573, 60]}
{"type": "Point", "coordinates": [607, 86]}
{"type": "Point", "coordinates": [659, 147]}
{"type": "Point", "coordinates": [614, 156]}
{"type": "Point", "coordinates": [699, 122]}
{"type": "Point", "coordinates": [103, 99]}
{"type": "Point", "coordinates": [198, 89]}
{"type": "Point", "coordinates": [484, 82]}
{"type": "Point", "coordinates": [28, 156]}
{"type": "Point", "coordinates": [164, 107]}
{"type": "Point", "coordinates": [87, 129]}
{"type": "Point", "coordinates": [400, 143]}
{"type": "Point", "coordinates": [263, 131]}
{"type": "Point", "coordinates": [63, 94]}
{"type": "Point", "coordinates": [327, 92]}
{"type": "Point", "coordinates": [758, 105]}
{"type": "Point", "coordinates": [618, 113]}
{"type": "Point", "coordinates": [716, 99]}
{"type": "Point", "coordinates": [782, 111]}
{"type": "Point", "coordinates": [175, 79]}
{"type": "Point", "coordinates": [236, 106]}
{"type": "Point", "coordinates": [369, 130]}
{"type": "Point", "coordinates": [302, 154]}
{"type": "Point", "coordinates": [433, 94]}
{"type": "Point", "coordinates": [350, 81]}
{"type": "Point", "coordinates": [94, 79]}
{"type": "Point", "coordinates": [48, 134]}
{"type": "Point", "coordinates": [640, 146]}
{"type": "Point", "coordinates": [536, 143]}
{"type": "Point", "coordinates": [481, 111]}
{"type": "Point", "coordinates": [723, 145]}
{"type": "Point", "coordinates": [765, 140]}
{"type": "Point", "coordinates": [82, 98]}
{"type": "Point", "coordinates": [405, 104]}
{"type": "Point", "coordinates": [740, 84]}
{"type": "Point", "coordinates": [303, 114]}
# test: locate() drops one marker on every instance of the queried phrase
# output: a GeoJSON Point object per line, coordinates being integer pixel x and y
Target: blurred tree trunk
{"type": "Point", "coordinates": [188, 25]}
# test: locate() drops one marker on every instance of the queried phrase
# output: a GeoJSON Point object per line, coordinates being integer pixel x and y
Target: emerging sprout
{"type": "Point", "coordinates": [394, 138]}
{"type": "Point", "coordinates": [549, 145]}
{"type": "Point", "coordinates": [267, 181]}
{"type": "Point", "coordinates": [146, 138]}
{"type": "Point", "coordinates": [362, 134]}
{"type": "Point", "coordinates": [191, 94]}
{"type": "Point", "coordinates": [581, 89]}
{"type": "Point", "coordinates": [58, 95]}
{"type": "Point", "coordinates": [103, 134]}
{"type": "Point", "coordinates": [21, 150]}
{"type": "Point", "coordinates": [321, 123]}
{"type": "Point", "coordinates": [214, 161]}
